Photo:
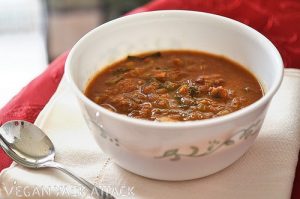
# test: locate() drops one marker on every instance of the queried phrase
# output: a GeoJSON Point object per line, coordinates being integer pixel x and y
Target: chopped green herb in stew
{"type": "Point", "coordinates": [174, 86]}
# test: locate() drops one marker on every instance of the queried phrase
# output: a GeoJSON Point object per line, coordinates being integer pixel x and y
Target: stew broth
{"type": "Point", "coordinates": [174, 86]}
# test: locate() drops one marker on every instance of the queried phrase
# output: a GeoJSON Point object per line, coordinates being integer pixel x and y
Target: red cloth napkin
{"type": "Point", "coordinates": [277, 20]}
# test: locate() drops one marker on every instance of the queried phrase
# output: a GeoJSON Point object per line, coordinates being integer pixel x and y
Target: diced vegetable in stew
{"type": "Point", "coordinates": [170, 86]}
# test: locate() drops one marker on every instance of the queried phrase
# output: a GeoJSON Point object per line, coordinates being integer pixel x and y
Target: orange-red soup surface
{"type": "Point", "coordinates": [174, 86]}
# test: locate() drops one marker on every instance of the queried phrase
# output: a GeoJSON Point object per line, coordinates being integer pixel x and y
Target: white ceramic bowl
{"type": "Point", "coordinates": [182, 150]}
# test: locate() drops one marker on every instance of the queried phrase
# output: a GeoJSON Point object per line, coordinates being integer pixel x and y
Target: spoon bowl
{"type": "Point", "coordinates": [26, 144]}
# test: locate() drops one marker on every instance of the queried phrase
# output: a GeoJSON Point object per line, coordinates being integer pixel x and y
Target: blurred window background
{"type": "Point", "coordinates": [69, 20]}
{"type": "Point", "coordinates": [34, 32]}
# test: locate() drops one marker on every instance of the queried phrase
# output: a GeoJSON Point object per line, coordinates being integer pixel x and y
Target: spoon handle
{"type": "Point", "coordinates": [96, 192]}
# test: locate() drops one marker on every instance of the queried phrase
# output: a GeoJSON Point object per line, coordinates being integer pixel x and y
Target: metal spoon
{"type": "Point", "coordinates": [29, 146]}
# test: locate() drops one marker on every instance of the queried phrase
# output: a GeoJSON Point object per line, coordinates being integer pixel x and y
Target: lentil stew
{"type": "Point", "coordinates": [177, 85]}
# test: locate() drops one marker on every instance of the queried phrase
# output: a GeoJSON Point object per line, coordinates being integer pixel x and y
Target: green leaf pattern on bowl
{"type": "Point", "coordinates": [213, 145]}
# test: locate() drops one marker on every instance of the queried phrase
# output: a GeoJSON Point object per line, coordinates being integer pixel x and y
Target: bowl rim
{"type": "Point", "coordinates": [181, 124]}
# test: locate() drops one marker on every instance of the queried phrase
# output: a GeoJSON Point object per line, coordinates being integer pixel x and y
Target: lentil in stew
{"type": "Point", "coordinates": [174, 86]}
